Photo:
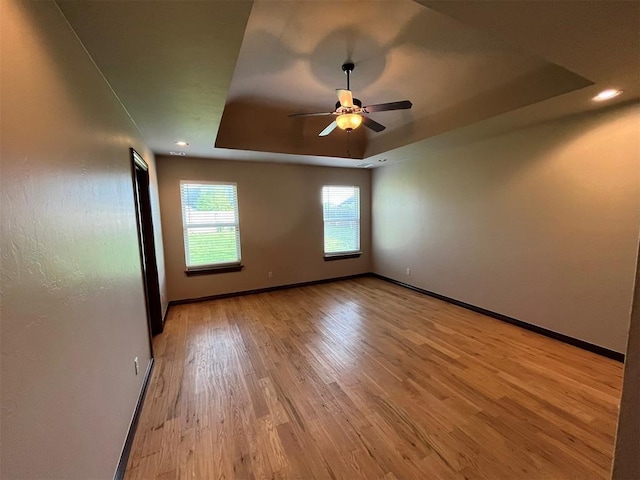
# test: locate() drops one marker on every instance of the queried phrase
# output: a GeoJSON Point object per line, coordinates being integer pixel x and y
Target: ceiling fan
{"type": "Point", "coordinates": [349, 111]}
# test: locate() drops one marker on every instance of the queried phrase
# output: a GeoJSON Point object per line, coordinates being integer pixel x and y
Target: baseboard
{"type": "Point", "coordinates": [266, 289]}
{"type": "Point", "coordinates": [605, 352]}
{"type": "Point", "coordinates": [126, 451]}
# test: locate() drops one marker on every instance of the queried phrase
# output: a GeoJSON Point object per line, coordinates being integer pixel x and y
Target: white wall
{"type": "Point", "coordinates": [539, 224]}
{"type": "Point", "coordinates": [626, 464]}
{"type": "Point", "coordinates": [154, 194]}
{"type": "Point", "coordinates": [73, 309]}
{"type": "Point", "coordinates": [281, 227]}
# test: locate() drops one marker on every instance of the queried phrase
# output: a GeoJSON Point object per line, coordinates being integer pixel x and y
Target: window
{"type": "Point", "coordinates": [341, 214]}
{"type": "Point", "coordinates": [210, 223]}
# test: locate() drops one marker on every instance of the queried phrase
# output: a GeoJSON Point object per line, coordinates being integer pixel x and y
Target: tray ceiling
{"type": "Point", "coordinates": [225, 75]}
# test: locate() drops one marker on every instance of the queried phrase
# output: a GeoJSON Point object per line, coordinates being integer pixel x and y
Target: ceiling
{"type": "Point", "coordinates": [225, 75]}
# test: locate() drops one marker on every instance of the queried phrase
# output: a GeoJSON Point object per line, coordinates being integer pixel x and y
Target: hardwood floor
{"type": "Point", "coordinates": [362, 379]}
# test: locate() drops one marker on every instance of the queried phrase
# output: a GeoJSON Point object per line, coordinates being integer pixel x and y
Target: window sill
{"type": "Point", "coordinates": [341, 256]}
{"type": "Point", "coordinates": [213, 270]}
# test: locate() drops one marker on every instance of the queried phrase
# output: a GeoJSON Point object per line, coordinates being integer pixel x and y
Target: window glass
{"type": "Point", "coordinates": [341, 214]}
{"type": "Point", "coordinates": [211, 224]}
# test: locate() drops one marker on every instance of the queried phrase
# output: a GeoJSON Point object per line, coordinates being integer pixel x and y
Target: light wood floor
{"type": "Point", "coordinates": [362, 379]}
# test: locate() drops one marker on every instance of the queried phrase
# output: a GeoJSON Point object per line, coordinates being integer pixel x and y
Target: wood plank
{"type": "Point", "coordinates": [362, 379]}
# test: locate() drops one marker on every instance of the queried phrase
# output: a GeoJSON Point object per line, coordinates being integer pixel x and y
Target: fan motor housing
{"type": "Point", "coordinates": [348, 67]}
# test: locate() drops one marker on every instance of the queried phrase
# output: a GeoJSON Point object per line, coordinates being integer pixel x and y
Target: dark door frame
{"type": "Point", "coordinates": [148, 261]}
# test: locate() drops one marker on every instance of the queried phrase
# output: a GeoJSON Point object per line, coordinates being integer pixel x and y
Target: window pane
{"type": "Point", "coordinates": [210, 220]}
{"type": "Point", "coordinates": [341, 212]}
{"type": "Point", "coordinates": [201, 240]}
{"type": "Point", "coordinates": [341, 236]}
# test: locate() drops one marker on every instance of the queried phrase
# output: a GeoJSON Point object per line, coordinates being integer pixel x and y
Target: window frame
{"type": "Point", "coordinates": [347, 254]}
{"type": "Point", "coordinates": [222, 267]}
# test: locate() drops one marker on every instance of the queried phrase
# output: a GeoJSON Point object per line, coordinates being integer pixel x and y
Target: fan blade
{"type": "Point", "coordinates": [372, 124]}
{"type": "Point", "coordinates": [316, 114]}
{"type": "Point", "coordinates": [383, 107]}
{"type": "Point", "coordinates": [328, 130]}
{"type": "Point", "coordinates": [345, 97]}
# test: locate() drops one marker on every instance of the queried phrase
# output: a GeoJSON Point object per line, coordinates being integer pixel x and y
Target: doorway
{"type": "Point", "coordinates": [140, 171]}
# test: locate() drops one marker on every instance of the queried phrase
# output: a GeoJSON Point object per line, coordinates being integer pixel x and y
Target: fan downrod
{"type": "Point", "coordinates": [348, 68]}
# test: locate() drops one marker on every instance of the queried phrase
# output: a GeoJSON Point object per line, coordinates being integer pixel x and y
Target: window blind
{"type": "Point", "coordinates": [211, 224]}
{"type": "Point", "coordinates": [341, 213]}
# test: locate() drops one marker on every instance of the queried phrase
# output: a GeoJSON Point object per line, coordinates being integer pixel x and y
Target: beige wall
{"type": "Point", "coordinates": [280, 224]}
{"type": "Point", "coordinates": [626, 465]}
{"type": "Point", "coordinates": [157, 228]}
{"type": "Point", "coordinates": [73, 310]}
{"type": "Point", "coordinates": [540, 224]}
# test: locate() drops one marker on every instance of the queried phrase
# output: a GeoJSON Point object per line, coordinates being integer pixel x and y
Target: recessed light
{"type": "Point", "coordinates": [180, 154]}
{"type": "Point", "coordinates": [382, 159]}
{"type": "Point", "coordinates": [182, 143]}
{"type": "Point", "coordinates": [607, 94]}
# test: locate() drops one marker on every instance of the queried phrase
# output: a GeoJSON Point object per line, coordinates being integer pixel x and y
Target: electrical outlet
{"type": "Point", "coordinates": [270, 274]}
{"type": "Point", "coordinates": [136, 364]}
{"type": "Point", "coordinates": [408, 271]}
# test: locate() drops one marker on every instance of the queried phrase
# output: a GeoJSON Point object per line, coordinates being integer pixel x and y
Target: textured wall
{"type": "Point", "coordinates": [73, 310]}
{"type": "Point", "coordinates": [540, 224]}
{"type": "Point", "coordinates": [281, 228]}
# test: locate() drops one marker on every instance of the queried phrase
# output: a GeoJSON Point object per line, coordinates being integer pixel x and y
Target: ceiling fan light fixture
{"type": "Point", "coordinates": [349, 110]}
{"type": "Point", "coordinates": [349, 121]}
